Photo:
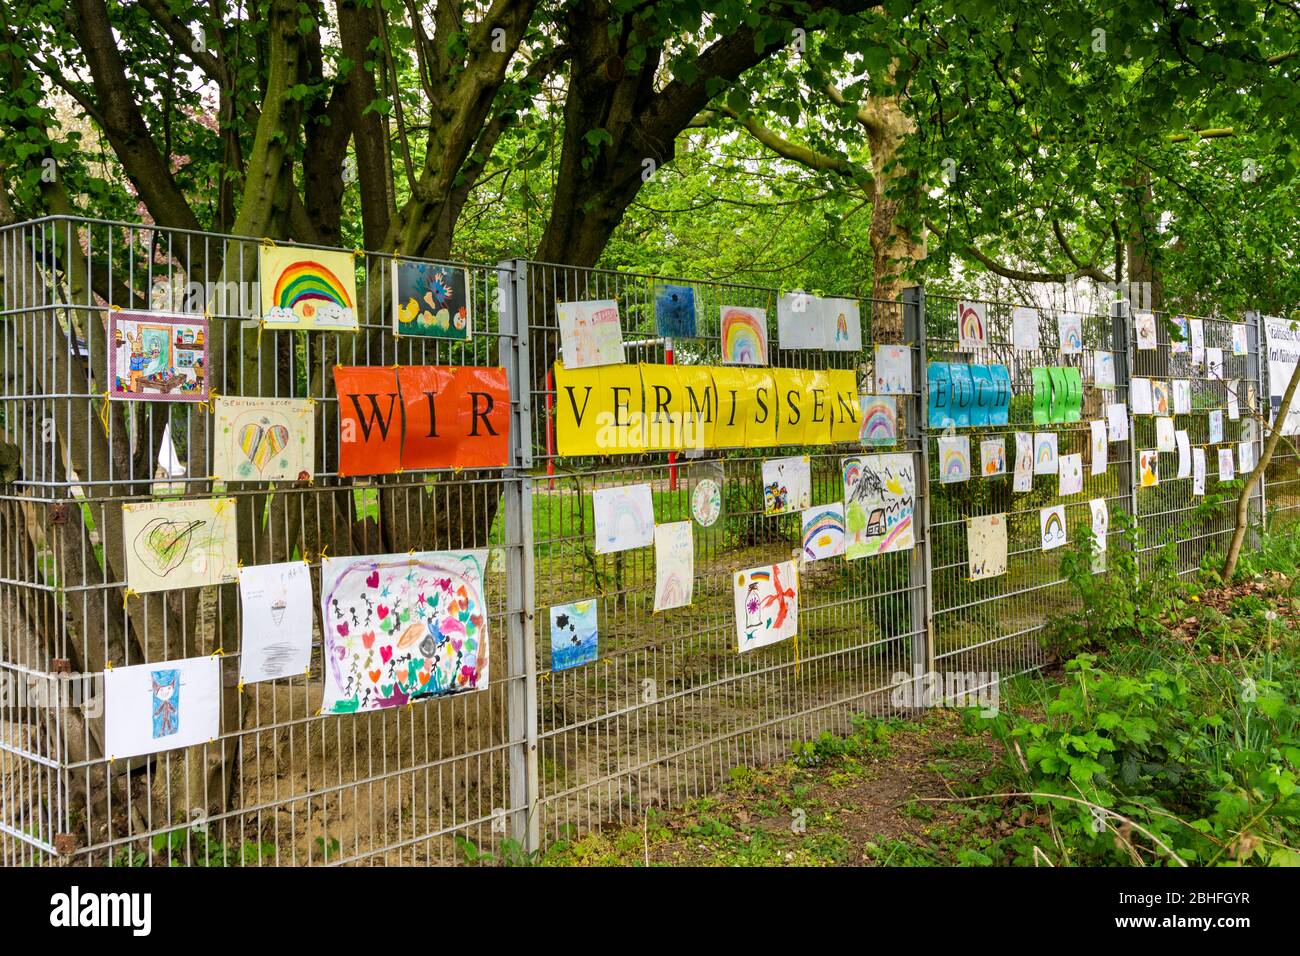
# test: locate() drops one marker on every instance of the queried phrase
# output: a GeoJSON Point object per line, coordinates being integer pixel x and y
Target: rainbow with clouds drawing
{"type": "Point", "coordinates": [307, 289]}
{"type": "Point", "coordinates": [744, 335]}
{"type": "Point", "coordinates": [1052, 527]}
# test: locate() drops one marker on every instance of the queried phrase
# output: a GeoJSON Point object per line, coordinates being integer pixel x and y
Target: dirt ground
{"type": "Point", "coordinates": [881, 796]}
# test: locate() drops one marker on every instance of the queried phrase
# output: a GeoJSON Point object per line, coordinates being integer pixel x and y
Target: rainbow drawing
{"type": "Point", "coordinates": [954, 455]}
{"type": "Point", "coordinates": [1052, 526]}
{"type": "Point", "coordinates": [671, 591]}
{"type": "Point", "coordinates": [1071, 334]}
{"type": "Point", "coordinates": [744, 335]}
{"type": "Point", "coordinates": [852, 472]}
{"type": "Point", "coordinates": [823, 531]}
{"type": "Point", "coordinates": [899, 536]}
{"type": "Point", "coordinates": [1045, 454]}
{"type": "Point", "coordinates": [970, 325]}
{"type": "Point", "coordinates": [624, 518]}
{"type": "Point", "coordinates": [300, 290]}
{"type": "Point", "coordinates": [879, 424]}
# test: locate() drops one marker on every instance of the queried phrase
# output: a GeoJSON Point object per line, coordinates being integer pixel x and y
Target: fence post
{"type": "Point", "coordinates": [512, 288]}
{"type": "Point", "coordinates": [1257, 372]}
{"type": "Point", "coordinates": [1121, 345]}
{"type": "Point", "coordinates": [917, 436]}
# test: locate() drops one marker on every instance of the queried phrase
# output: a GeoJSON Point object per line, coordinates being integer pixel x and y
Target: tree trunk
{"type": "Point", "coordinates": [895, 248]}
{"type": "Point", "coordinates": [1257, 474]}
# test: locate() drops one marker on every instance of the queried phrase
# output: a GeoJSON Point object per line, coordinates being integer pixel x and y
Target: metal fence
{"type": "Point", "coordinates": [663, 715]}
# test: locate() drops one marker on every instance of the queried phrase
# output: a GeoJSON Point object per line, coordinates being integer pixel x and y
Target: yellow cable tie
{"type": "Point", "coordinates": [359, 253]}
{"type": "Point", "coordinates": [114, 308]}
{"type": "Point", "coordinates": [267, 242]}
{"type": "Point", "coordinates": [241, 686]}
{"type": "Point", "coordinates": [323, 552]}
{"type": "Point", "coordinates": [219, 652]}
{"type": "Point", "coordinates": [126, 595]}
{"type": "Point", "coordinates": [104, 413]}
{"type": "Point", "coordinates": [108, 665]}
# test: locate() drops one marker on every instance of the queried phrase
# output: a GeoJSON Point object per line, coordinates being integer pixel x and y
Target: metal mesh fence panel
{"type": "Point", "coordinates": [282, 783]}
{"type": "Point", "coordinates": [1179, 526]}
{"type": "Point", "coordinates": [671, 707]}
{"type": "Point", "coordinates": [992, 626]}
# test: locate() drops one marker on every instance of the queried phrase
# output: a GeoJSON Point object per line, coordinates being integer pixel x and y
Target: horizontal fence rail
{"type": "Point", "coordinates": [544, 752]}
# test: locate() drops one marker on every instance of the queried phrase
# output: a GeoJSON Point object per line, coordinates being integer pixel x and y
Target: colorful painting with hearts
{"type": "Point", "coordinates": [263, 439]}
{"type": "Point", "coordinates": [402, 627]}
{"type": "Point", "coordinates": [431, 301]}
{"type": "Point", "coordinates": [179, 544]}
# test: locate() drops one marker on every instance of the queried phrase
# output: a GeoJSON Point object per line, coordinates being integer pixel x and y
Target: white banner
{"type": "Point", "coordinates": [1282, 340]}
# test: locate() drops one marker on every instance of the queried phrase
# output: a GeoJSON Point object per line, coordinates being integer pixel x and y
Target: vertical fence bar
{"type": "Point", "coordinates": [518, 491]}
{"type": "Point", "coordinates": [1122, 343]}
{"type": "Point", "coordinates": [1256, 371]}
{"type": "Point", "coordinates": [922, 596]}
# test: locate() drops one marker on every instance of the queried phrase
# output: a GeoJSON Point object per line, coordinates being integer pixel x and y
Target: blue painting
{"type": "Point", "coordinates": [674, 310]}
{"type": "Point", "coordinates": [166, 691]}
{"type": "Point", "coordinates": [574, 640]}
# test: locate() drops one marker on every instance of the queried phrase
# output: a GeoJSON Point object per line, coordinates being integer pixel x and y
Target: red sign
{"type": "Point", "coordinates": [421, 416]}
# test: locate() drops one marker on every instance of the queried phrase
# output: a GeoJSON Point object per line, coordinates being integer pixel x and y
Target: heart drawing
{"type": "Point", "coordinates": [163, 543]}
{"type": "Point", "coordinates": [262, 443]}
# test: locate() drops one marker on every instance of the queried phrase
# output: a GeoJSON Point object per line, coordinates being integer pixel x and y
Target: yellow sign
{"type": "Point", "coordinates": [625, 409]}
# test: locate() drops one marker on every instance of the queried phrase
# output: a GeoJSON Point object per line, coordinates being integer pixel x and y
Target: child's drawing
{"type": "Point", "coordinates": [179, 543]}
{"type": "Point", "coordinates": [893, 370]}
{"type": "Point", "coordinates": [767, 605]}
{"type": "Point", "coordinates": [158, 356]}
{"type": "Point", "coordinates": [823, 531]}
{"type": "Point", "coordinates": [166, 705]}
{"type": "Point", "coordinates": [308, 289]}
{"type": "Point", "coordinates": [276, 611]}
{"type": "Point", "coordinates": [879, 504]}
{"type": "Point", "coordinates": [575, 637]}
{"type": "Point", "coordinates": [954, 459]}
{"type": "Point", "coordinates": [432, 301]}
{"type": "Point", "coordinates": [787, 484]}
{"type": "Point", "coordinates": [625, 518]}
{"type": "Point", "coordinates": [402, 627]}
{"type": "Point", "coordinates": [674, 565]}
{"type": "Point", "coordinates": [674, 310]}
{"type": "Point", "coordinates": [744, 335]}
{"type": "Point", "coordinates": [590, 333]}
{"type": "Point", "coordinates": [263, 439]}
{"type": "Point", "coordinates": [972, 326]}
{"type": "Point", "coordinates": [1051, 524]}
{"type": "Point", "coordinates": [993, 457]}
{"type": "Point", "coordinates": [986, 541]}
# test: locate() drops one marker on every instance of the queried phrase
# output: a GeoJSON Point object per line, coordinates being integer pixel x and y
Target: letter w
{"type": "Point", "coordinates": [375, 415]}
